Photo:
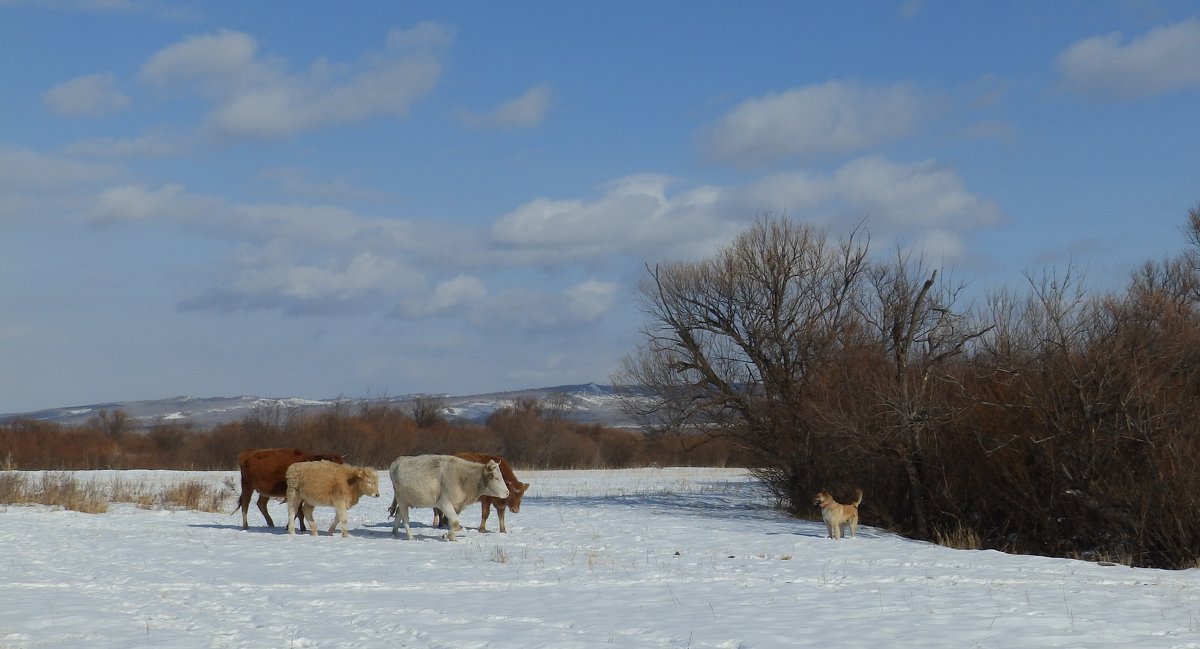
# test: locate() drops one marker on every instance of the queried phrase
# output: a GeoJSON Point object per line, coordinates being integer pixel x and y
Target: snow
{"type": "Point", "coordinates": [628, 558]}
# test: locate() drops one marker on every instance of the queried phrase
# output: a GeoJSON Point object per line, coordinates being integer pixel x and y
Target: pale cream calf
{"type": "Point", "coordinates": [328, 484]}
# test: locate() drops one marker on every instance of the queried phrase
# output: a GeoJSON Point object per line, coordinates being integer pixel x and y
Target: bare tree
{"type": "Point", "coordinates": [427, 411]}
{"type": "Point", "coordinates": [912, 315]}
{"type": "Point", "coordinates": [113, 423]}
{"type": "Point", "coordinates": [732, 343]}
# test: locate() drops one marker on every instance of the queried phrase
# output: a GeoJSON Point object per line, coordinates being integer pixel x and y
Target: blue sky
{"type": "Point", "coordinates": [288, 199]}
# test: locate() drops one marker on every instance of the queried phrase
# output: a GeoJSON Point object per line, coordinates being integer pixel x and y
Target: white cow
{"type": "Point", "coordinates": [441, 481]}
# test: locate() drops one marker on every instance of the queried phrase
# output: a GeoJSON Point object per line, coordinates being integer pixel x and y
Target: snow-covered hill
{"type": "Point", "coordinates": [589, 403]}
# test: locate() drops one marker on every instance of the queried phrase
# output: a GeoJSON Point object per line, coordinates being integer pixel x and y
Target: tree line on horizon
{"type": "Point", "coordinates": [531, 433]}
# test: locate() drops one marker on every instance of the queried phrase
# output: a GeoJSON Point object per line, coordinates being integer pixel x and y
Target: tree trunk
{"type": "Point", "coordinates": [916, 493]}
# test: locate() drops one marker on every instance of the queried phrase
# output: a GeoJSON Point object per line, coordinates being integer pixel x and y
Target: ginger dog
{"type": "Point", "coordinates": [836, 515]}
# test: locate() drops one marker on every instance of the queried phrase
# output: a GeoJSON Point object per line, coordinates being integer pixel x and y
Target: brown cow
{"type": "Point", "coordinates": [516, 490]}
{"type": "Point", "coordinates": [265, 470]}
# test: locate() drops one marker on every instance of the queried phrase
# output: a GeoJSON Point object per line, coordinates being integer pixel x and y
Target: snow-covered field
{"type": "Point", "coordinates": [632, 558]}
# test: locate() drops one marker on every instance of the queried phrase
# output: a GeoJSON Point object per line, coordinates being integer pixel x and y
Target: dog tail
{"type": "Point", "coordinates": [859, 500]}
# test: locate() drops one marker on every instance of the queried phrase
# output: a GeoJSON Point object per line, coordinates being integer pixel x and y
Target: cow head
{"type": "Point", "coordinates": [493, 481]}
{"type": "Point", "coordinates": [366, 481]}
{"type": "Point", "coordinates": [516, 490]}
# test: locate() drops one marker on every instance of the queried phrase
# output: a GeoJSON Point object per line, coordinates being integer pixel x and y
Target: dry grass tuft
{"type": "Point", "coordinates": [960, 538]}
{"type": "Point", "coordinates": [12, 488]}
{"type": "Point", "coordinates": [125, 491]}
{"type": "Point", "coordinates": [194, 494]}
{"type": "Point", "coordinates": [93, 497]}
{"type": "Point", "coordinates": [52, 489]}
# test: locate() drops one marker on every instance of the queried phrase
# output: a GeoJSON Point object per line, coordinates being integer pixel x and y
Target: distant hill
{"type": "Point", "coordinates": [587, 403]}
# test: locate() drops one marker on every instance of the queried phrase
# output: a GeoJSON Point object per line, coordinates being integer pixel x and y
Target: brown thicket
{"type": "Point", "coordinates": [532, 434]}
{"type": "Point", "coordinates": [1047, 420]}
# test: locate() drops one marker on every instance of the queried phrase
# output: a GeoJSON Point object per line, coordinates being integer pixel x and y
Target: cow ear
{"type": "Point", "coordinates": [353, 479]}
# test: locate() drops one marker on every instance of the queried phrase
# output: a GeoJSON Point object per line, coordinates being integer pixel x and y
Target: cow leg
{"type": "Point", "coordinates": [452, 516]}
{"type": "Point", "coordinates": [340, 518]}
{"type": "Point", "coordinates": [300, 520]}
{"type": "Point", "coordinates": [485, 508]}
{"type": "Point", "coordinates": [244, 503]}
{"type": "Point", "coordinates": [500, 514]}
{"type": "Point", "coordinates": [308, 509]}
{"type": "Point", "coordinates": [262, 507]}
{"type": "Point", "coordinates": [293, 503]}
{"type": "Point", "coordinates": [401, 516]}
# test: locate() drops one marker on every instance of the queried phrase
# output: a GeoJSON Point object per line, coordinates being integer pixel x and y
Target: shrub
{"type": "Point", "coordinates": [196, 495]}
{"type": "Point", "coordinates": [52, 489]}
{"type": "Point", "coordinates": [67, 491]}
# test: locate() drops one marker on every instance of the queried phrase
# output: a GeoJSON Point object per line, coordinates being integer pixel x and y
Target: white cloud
{"type": "Point", "coordinates": [634, 216]}
{"type": "Point", "coordinates": [575, 306]}
{"type": "Point", "coordinates": [338, 281]}
{"type": "Point", "coordinates": [135, 203]}
{"type": "Point", "coordinates": [93, 95]}
{"type": "Point", "coordinates": [835, 117]}
{"type": "Point", "coordinates": [921, 194]}
{"type": "Point", "coordinates": [256, 95]}
{"type": "Point", "coordinates": [590, 300]}
{"type": "Point", "coordinates": [919, 201]}
{"type": "Point", "coordinates": [302, 259]}
{"type": "Point", "coordinates": [340, 286]}
{"type": "Point", "coordinates": [320, 229]}
{"type": "Point", "coordinates": [36, 187]}
{"type": "Point", "coordinates": [328, 259]}
{"type": "Point", "coordinates": [639, 216]}
{"type": "Point", "coordinates": [217, 60]}
{"type": "Point", "coordinates": [1163, 60]}
{"type": "Point", "coordinates": [526, 111]}
{"type": "Point", "coordinates": [424, 35]}
{"type": "Point", "coordinates": [462, 291]}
